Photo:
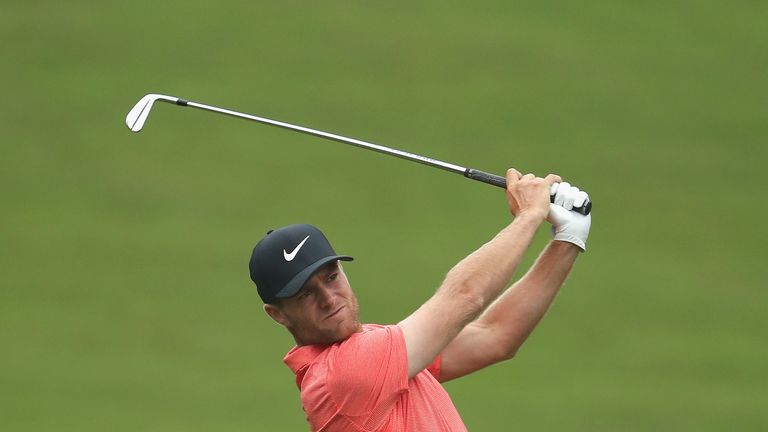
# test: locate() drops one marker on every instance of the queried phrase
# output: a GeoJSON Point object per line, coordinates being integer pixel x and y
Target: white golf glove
{"type": "Point", "coordinates": [568, 225]}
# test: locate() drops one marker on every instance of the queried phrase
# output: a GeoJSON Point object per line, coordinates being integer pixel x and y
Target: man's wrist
{"type": "Point", "coordinates": [531, 216]}
{"type": "Point", "coordinates": [570, 242]}
{"type": "Point", "coordinates": [564, 250]}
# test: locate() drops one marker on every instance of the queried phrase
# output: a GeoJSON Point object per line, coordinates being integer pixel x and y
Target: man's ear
{"type": "Point", "coordinates": [276, 314]}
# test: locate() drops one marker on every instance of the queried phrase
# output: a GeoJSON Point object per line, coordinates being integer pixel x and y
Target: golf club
{"type": "Point", "coordinates": [137, 116]}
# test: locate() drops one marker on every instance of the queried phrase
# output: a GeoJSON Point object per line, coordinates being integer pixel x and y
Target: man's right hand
{"type": "Point", "coordinates": [528, 194]}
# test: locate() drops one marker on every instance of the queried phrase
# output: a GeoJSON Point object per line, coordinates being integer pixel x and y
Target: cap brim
{"type": "Point", "coordinates": [298, 281]}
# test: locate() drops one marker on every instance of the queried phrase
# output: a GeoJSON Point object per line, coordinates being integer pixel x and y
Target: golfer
{"type": "Point", "coordinates": [369, 377]}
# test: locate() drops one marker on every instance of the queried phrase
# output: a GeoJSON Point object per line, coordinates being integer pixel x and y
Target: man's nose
{"type": "Point", "coordinates": [326, 297]}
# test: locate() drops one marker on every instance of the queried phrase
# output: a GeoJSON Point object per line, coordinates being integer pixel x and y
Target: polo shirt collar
{"type": "Point", "coordinates": [299, 357]}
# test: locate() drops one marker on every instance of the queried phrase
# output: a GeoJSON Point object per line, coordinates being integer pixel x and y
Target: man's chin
{"type": "Point", "coordinates": [345, 330]}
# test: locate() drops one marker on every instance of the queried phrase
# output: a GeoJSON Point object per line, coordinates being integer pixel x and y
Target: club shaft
{"type": "Point", "coordinates": [139, 113]}
{"type": "Point", "coordinates": [333, 137]}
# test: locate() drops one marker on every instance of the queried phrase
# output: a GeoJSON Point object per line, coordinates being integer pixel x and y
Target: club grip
{"type": "Point", "coordinates": [493, 179]}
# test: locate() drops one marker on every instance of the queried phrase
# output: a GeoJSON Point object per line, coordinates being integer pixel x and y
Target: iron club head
{"type": "Point", "coordinates": [138, 114]}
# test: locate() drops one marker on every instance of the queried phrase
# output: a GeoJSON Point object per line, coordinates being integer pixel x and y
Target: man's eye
{"type": "Point", "coordinates": [333, 276]}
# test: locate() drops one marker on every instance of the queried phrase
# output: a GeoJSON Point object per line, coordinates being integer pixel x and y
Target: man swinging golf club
{"type": "Point", "coordinates": [368, 377]}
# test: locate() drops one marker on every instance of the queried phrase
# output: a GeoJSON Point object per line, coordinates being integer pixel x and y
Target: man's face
{"type": "Point", "coordinates": [324, 311]}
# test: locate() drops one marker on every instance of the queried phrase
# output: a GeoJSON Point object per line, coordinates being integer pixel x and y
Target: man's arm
{"type": "Point", "coordinates": [502, 329]}
{"type": "Point", "coordinates": [479, 278]}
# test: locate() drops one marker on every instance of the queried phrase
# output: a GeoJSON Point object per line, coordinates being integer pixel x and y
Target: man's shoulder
{"type": "Point", "coordinates": [360, 345]}
{"type": "Point", "coordinates": [373, 333]}
{"type": "Point", "coordinates": [365, 370]}
{"type": "Point", "coordinates": [363, 347]}
{"type": "Point", "coordinates": [373, 326]}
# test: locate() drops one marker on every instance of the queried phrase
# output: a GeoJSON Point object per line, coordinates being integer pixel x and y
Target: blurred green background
{"type": "Point", "coordinates": [126, 304]}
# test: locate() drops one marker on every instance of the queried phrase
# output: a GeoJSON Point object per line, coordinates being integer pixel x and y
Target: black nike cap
{"type": "Point", "coordinates": [287, 257]}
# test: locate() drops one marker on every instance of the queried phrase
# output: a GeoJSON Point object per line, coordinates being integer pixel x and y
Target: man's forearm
{"type": "Point", "coordinates": [467, 290]}
{"type": "Point", "coordinates": [514, 315]}
{"type": "Point", "coordinates": [487, 271]}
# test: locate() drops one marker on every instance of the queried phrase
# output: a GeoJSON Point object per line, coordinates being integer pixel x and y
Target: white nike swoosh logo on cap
{"type": "Point", "coordinates": [292, 255]}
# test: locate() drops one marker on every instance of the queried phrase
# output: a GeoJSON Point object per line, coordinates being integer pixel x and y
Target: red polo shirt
{"type": "Point", "coordinates": [361, 384]}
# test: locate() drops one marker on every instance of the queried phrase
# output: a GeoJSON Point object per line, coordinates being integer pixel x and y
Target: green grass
{"type": "Point", "coordinates": [125, 301]}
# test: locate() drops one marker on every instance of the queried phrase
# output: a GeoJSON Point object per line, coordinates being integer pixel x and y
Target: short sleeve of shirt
{"type": "Point", "coordinates": [435, 367]}
{"type": "Point", "coordinates": [368, 372]}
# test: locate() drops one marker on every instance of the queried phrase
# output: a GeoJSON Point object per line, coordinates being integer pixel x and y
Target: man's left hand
{"type": "Point", "coordinates": [568, 225]}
